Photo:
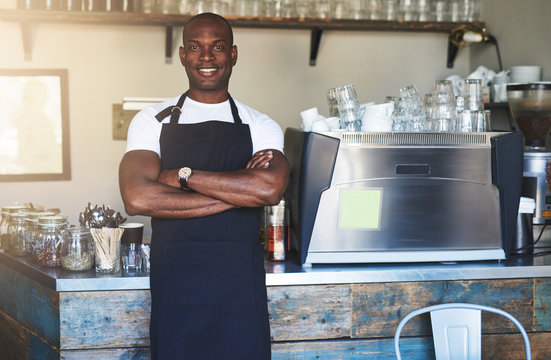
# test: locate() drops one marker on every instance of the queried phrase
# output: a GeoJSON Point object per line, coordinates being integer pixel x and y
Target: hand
{"type": "Point", "coordinates": [260, 160]}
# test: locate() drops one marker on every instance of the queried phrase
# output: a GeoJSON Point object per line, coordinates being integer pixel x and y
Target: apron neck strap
{"type": "Point", "coordinates": [175, 110]}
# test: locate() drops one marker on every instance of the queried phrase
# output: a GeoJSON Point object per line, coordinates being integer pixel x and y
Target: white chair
{"type": "Point", "coordinates": [456, 330]}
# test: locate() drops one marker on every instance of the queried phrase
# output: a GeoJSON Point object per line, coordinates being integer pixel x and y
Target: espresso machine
{"type": "Point", "coordinates": [358, 197]}
{"type": "Point", "coordinates": [530, 105]}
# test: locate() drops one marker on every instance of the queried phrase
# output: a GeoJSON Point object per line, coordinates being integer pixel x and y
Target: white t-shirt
{"type": "Point", "coordinates": [144, 130]}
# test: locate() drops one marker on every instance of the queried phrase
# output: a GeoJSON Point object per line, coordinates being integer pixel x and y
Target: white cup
{"type": "Point", "coordinates": [525, 74]}
{"type": "Point", "coordinates": [309, 117]}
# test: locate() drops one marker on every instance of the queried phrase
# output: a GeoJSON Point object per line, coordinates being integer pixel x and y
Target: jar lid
{"type": "Point", "coordinates": [18, 215]}
{"type": "Point", "coordinates": [52, 220]}
{"type": "Point", "coordinates": [33, 216]}
{"type": "Point", "coordinates": [13, 208]}
{"type": "Point", "coordinates": [78, 230]}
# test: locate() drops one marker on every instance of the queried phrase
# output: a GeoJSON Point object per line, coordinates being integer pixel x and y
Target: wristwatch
{"type": "Point", "coordinates": [183, 176]}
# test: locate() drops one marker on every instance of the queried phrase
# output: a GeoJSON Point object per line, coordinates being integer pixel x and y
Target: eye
{"type": "Point", "coordinates": [218, 47]}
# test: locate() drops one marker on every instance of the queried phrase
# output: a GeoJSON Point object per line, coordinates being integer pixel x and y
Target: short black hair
{"type": "Point", "coordinates": [212, 16]}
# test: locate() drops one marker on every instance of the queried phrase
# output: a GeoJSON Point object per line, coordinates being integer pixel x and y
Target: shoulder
{"type": "Point", "coordinates": [265, 132]}
{"type": "Point", "coordinates": [250, 115]}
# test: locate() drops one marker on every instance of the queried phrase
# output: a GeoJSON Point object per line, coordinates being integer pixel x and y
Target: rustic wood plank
{"type": "Point", "coordinates": [28, 302]}
{"type": "Point", "coordinates": [542, 299]}
{"type": "Point", "coordinates": [511, 346]}
{"type": "Point", "coordinates": [372, 349]}
{"type": "Point", "coordinates": [38, 349]}
{"type": "Point", "coordinates": [14, 342]}
{"type": "Point", "coordinates": [137, 353]}
{"type": "Point", "coordinates": [378, 308]}
{"type": "Point", "coordinates": [309, 312]}
{"type": "Point", "coordinates": [495, 346]}
{"type": "Point", "coordinates": [104, 319]}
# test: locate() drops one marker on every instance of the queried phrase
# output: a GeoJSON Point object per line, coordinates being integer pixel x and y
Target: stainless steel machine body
{"type": "Point", "coordinates": [395, 197]}
{"type": "Point", "coordinates": [534, 184]}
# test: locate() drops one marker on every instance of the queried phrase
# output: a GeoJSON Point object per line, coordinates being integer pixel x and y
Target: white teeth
{"type": "Point", "coordinates": [207, 70]}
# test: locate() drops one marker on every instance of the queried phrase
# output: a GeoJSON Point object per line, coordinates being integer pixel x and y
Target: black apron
{"type": "Point", "coordinates": [208, 289]}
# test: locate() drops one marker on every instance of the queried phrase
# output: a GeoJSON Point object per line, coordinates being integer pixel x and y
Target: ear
{"type": "Point", "coordinates": [233, 55]}
{"type": "Point", "coordinates": [182, 54]}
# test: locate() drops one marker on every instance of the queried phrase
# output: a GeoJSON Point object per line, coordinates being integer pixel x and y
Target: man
{"type": "Point", "coordinates": [203, 165]}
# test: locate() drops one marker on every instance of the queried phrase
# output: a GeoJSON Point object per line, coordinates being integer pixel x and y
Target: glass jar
{"type": "Point", "coordinates": [5, 221]}
{"type": "Point", "coordinates": [31, 231]}
{"type": "Point", "coordinates": [16, 233]}
{"type": "Point", "coordinates": [77, 249]}
{"type": "Point", "coordinates": [51, 230]}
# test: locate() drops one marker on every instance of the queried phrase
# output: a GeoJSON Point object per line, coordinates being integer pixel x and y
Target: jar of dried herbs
{"type": "Point", "coordinates": [77, 249]}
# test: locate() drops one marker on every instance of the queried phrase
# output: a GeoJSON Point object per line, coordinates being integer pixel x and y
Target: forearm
{"type": "Point", "coordinates": [261, 183]}
{"type": "Point", "coordinates": [244, 188]}
{"type": "Point", "coordinates": [256, 185]}
{"type": "Point", "coordinates": [161, 201]}
{"type": "Point", "coordinates": [142, 194]}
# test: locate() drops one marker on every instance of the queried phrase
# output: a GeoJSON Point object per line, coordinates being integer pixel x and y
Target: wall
{"type": "Point", "coordinates": [272, 75]}
{"type": "Point", "coordinates": [522, 29]}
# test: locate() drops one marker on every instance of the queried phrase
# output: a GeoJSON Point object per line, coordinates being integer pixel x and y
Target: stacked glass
{"type": "Point", "coordinates": [409, 113]}
{"type": "Point", "coordinates": [473, 117]}
{"type": "Point", "coordinates": [343, 103]}
{"type": "Point", "coordinates": [442, 114]}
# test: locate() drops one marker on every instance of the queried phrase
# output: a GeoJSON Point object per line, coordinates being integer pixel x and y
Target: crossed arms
{"type": "Point", "coordinates": [148, 190]}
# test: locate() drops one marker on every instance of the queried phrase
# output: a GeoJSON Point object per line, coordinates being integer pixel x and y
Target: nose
{"type": "Point", "coordinates": [206, 55]}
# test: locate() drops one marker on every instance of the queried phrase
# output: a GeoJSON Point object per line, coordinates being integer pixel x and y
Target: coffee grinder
{"type": "Point", "coordinates": [530, 105]}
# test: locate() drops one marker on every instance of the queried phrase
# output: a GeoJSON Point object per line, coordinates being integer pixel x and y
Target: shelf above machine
{"type": "Point", "coordinates": [317, 26]}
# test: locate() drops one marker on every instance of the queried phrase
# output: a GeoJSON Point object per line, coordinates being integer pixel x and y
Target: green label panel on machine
{"type": "Point", "coordinates": [360, 209]}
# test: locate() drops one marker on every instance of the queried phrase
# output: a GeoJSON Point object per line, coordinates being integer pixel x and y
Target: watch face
{"type": "Point", "coordinates": [184, 173]}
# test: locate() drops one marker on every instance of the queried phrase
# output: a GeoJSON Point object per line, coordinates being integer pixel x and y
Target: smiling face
{"type": "Point", "coordinates": [208, 56]}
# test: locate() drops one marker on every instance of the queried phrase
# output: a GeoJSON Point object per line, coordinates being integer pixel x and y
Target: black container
{"type": "Point", "coordinates": [524, 237]}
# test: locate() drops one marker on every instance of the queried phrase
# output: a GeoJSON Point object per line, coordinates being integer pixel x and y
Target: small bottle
{"type": "Point", "coordinates": [276, 232]}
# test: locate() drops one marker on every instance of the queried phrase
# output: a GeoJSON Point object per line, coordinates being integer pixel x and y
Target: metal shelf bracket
{"type": "Point", "coordinates": [315, 44]}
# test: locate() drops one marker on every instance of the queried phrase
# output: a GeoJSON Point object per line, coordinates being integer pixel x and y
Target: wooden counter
{"type": "Point", "coordinates": [51, 314]}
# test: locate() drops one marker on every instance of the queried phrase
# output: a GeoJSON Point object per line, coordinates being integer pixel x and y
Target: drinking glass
{"type": "Point", "coordinates": [472, 92]}
{"type": "Point", "coordinates": [356, 9]}
{"type": "Point", "coordinates": [374, 9]}
{"type": "Point", "coordinates": [427, 104]}
{"type": "Point", "coordinates": [407, 10]}
{"type": "Point", "coordinates": [415, 118]}
{"type": "Point", "coordinates": [303, 9]}
{"type": "Point", "coordinates": [288, 8]}
{"type": "Point", "coordinates": [339, 9]}
{"type": "Point", "coordinates": [465, 121]}
{"type": "Point", "coordinates": [443, 107]}
{"type": "Point", "coordinates": [348, 108]}
{"type": "Point", "coordinates": [186, 6]}
{"type": "Point", "coordinates": [441, 10]}
{"type": "Point", "coordinates": [423, 10]}
{"type": "Point", "coordinates": [398, 117]}
{"type": "Point", "coordinates": [323, 9]}
{"type": "Point", "coordinates": [389, 9]}
{"type": "Point", "coordinates": [479, 119]}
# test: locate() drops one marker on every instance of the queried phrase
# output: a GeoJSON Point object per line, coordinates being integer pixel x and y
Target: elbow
{"type": "Point", "coordinates": [133, 206]}
{"type": "Point", "coordinates": [272, 197]}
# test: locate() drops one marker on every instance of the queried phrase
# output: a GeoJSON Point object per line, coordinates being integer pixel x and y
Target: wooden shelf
{"type": "Point", "coordinates": [169, 21]}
